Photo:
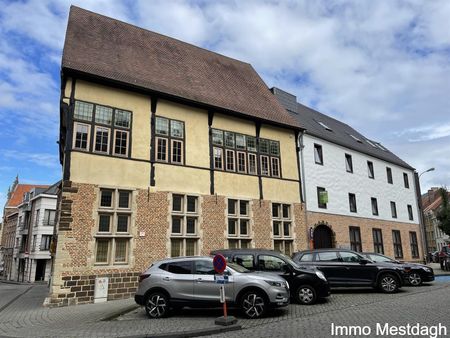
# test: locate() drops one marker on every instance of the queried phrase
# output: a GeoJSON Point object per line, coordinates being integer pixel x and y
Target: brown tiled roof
{"type": "Point", "coordinates": [117, 51]}
{"type": "Point", "coordinates": [17, 194]}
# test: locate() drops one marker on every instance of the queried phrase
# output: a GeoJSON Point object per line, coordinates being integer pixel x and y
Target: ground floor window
{"type": "Point", "coordinates": [283, 246]}
{"type": "Point", "coordinates": [397, 240]}
{"type": "Point", "coordinates": [414, 245]}
{"type": "Point", "coordinates": [355, 239]}
{"type": "Point", "coordinates": [184, 225]}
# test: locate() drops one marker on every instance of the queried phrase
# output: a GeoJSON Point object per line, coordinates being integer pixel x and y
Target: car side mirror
{"type": "Point", "coordinates": [363, 261]}
{"type": "Point", "coordinates": [286, 269]}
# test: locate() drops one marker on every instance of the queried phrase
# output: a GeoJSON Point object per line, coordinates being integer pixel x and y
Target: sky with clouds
{"type": "Point", "coordinates": [381, 66]}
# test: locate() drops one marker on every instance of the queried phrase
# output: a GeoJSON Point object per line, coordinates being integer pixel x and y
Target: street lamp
{"type": "Point", "coordinates": [424, 230]}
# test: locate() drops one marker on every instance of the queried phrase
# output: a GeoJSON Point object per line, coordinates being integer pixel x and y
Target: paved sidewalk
{"type": "Point", "coordinates": [22, 314]}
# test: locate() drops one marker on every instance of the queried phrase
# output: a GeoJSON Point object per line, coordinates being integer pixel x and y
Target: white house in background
{"type": "Point", "coordinates": [358, 194]}
{"type": "Point", "coordinates": [36, 222]}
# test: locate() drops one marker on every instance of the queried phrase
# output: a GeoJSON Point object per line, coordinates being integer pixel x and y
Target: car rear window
{"type": "Point", "coordinates": [330, 256]}
{"type": "Point", "coordinates": [180, 268]}
{"type": "Point", "coordinates": [244, 260]}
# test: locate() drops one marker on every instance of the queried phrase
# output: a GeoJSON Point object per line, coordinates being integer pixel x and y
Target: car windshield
{"type": "Point", "coordinates": [237, 267]}
{"type": "Point", "coordinates": [289, 260]}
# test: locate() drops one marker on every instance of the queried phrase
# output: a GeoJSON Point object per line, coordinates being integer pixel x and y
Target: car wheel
{"type": "Point", "coordinates": [305, 295]}
{"type": "Point", "coordinates": [253, 304]}
{"type": "Point", "coordinates": [388, 283]}
{"type": "Point", "coordinates": [415, 279]}
{"type": "Point", "coordinates": [157, 305]}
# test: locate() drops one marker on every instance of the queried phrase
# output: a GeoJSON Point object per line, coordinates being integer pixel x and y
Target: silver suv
{"type": "Point", "coordinates": [190, 281]}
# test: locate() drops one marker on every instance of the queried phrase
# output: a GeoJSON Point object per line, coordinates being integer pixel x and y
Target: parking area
{"type": "Point", "coordinates": [21, 314]}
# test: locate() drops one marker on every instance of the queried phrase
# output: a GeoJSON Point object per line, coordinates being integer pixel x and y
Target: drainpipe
{"type": "Point", "coordinates": [303, 182]}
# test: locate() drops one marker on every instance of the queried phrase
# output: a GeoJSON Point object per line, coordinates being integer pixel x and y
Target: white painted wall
{"type": "Point", "coordinates": [332, 175]}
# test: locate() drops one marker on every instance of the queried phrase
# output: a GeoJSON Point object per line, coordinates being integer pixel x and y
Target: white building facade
{"type": "Point", "coordinates": [358, 194]}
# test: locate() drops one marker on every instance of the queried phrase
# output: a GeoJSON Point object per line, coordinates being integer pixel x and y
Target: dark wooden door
{"type": "Point", "coordinates": [322, 237]}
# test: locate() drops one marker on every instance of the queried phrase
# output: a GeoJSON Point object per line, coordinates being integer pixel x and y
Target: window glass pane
{"type": "Point", "coordinates": [83, 110]}
{"type": "Point", "coordinates": [244, 227]}
{"type": "Point", "coordinates": [348, 163]}
{"type": "Point", "coordinates": [176, 224]}
{"type": "Point", "coordinates": [275, 166]}
{"type": "Point", "coordinates": [81, 136]}
{"type": "Point", "coordinates": [101, 139]}
{"type": "Point", "coordinates": [264, 146]}
{"type": "Point", "coordinates": [180, 268]}
{"type": "Point", "coordinates": [229, 139]}
{"type": "Point", "coordinates": [161, 153]}
{"type": "Point", "coordinates": [175, 247]}
{"type": "Point", "coordinates": [204, 268]}
{"type": "Point", "coordinates": [245, 243]}
{"type": "Point", "coordinates": [177, 203]}
{"type": "Point", "coordinates": [190, 225]}
{"type": "Point", "coordinates": [106, 198]}
{"type": "Point", "coordinates": [102, 251]}
{"type": "Point", "coordinates": [244, 260]}
{"type": "Point", "coordinates": [232, 226]}
{"type": "Point", "coordinates": [122, 118]}
{"type": "Point", "coordinates": [306, 258]}
{"type": "Point", "coordinates": [103, 114]}
{"type": "Point", "coordinates": [177, 151]}
{"type": "Point", "coordinates": [252, 164]}
{"type": "Point", "coordinates": [230, 160]}
{"type": "Point", "coordinates": [241, 162]}
{"type": "Point", "coordinates": [122, 223]}
{"type": "Point", "coordinates": [374, 206]}
{"type": "Point", "coordinates": [270, 263]}
{"type": "Point", "coordinates": [191, 245]}
{"type": "Point", "coordinates": [232, 207]}
{"type": "Point", "coordinates": [328, 256]}
{"type": "Point", "coordinates": [286, 211]}
{"type": "Point", "coordinates": [318, 154]}
{"type": "Point", "coordinates": [370, 169]}
{"type": "Point", "coordinates": [243, 208]}
{"type": "Point", "coordinates": [240, 141]}
{"type": "Point", "coordinates": [104, 223]}
{"type": "Point", "coordinates": [233, 243]}
{"type": "Point", "coordinates": [217, 137]}
{"type": "Point", "coordinates": [162, 126]}
{"type": "Point", "coordinates": [177, 129]}
{"type": "Point", "coordinates": [287, 229]}
{"type": "Point", "coordinates": [264, 165]}
{"type": "Point", "coordinates": [406, 181]}
{"type": "Point", "coordinates": [349, 257]}
{"type": "Point", "coordinates": [121, 250]}
{"type": "Point", "coordinates": [251, 143]}
{"type": "Point", "coordinates": [121, 142]}
{"type": "Point", "coordinates": [124, 199]}
{"type": "Point", "coordinates": [274, 148]}
{"type": "Point", "coordinates": [192, 204]}
{"type": "Point", "coordinates": [393, 210]}
{"type": "Point", "coordinates": [276, 210]}
{"type": "Point", "coordinates": [276, 228]}
{"type": "Point", "coordinates": [218, 158]}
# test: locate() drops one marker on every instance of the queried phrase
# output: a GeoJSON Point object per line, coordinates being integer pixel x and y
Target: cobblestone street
{"type": "Point", "coordinates": [22, 315]}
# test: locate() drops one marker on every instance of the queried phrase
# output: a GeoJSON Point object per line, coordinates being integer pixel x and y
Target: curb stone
{"type": "Point", "coordinates": [193, 333]}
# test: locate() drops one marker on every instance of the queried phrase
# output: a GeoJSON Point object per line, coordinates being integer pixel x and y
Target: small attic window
{"type": "Point", "coordinates": [324, 125]}
{"type": "Point", "coordinates": [371, 143]}
{"type": "Point", "coordinates": [380, 146]}
{"type": "Point", "coordinates": [355, 138]}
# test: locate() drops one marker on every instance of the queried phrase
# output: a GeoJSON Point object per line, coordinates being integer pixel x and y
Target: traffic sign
{"type": "Point", "coordinates": [219, 263]}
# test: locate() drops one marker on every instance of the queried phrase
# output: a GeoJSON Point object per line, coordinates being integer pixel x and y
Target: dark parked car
{"type": "Point", "coordinates": [347, 268]}
{"type": "Point", "coordinates": [417, 273]}
{"type": "Point", "coordinates": [307, 285]}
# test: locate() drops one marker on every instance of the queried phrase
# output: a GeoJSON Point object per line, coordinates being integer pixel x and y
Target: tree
{"type": "Point", "coordinates": [443, 215]}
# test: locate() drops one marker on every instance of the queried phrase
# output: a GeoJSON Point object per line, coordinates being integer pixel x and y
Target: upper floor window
{"type": "Point", "coordinates": [318, 155]}
{"type": "Point", "coordinates": [352, 202]}
{"type": "Point", "coordinates": [49, 217]}
{"type": "Point", "coordinates": [406, 180]}
{"type": "Point", "coordinates": [374, 206]}
{"type": "Point", "coordinates": [393, 210]}
{"type": "Point", "coordinates": [322, 198]}
{"type": "Point", "coordinates": [370, 170]}
{"type": "Point", "coordinates": [169, 140]}
{"type": "Point", "coordinates": [348, 163]}
{"type": "Point", "coordinates": [389, 175]}
{"type": "Point", "coordinates": [238, 153]}
{"type": "Point", "coordinates": [108, 137]}
{"type": "Point", "coordinates": [410, 212]}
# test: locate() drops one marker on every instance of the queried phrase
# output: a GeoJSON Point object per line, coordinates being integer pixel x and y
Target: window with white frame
{"type": "Point", "coordinates": [49, 217]}
{"type": "Point", "coordinates": [113, 235]}
{"type": "Point", "coordinates": [184, 232]}
{"type": "Point", "coordinates": [108, 137]}
{"type": "Point", "coordinates": [170, 136]}
{"type": "Point", "coordinates": [282, 228]}
{"type": "Point", "coordinates": [238, 212]}
{"type": "Point", "coordinates": [45, 242]}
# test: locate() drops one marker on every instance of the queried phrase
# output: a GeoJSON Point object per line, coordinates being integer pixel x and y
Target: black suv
{"type": "Point", "coordinates": [307, 285]}
{"type": "Point", "coordinates": [417, 273]}
{"type": "Point", "coordinates": [347, 268]}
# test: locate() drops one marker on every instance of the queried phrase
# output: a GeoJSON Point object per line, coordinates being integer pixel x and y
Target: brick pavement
{"type": "Point", "coordinates": [25, 317]}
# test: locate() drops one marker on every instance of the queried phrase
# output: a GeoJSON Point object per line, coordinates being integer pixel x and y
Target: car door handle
{"type": "Point", "coordinates": [166, 278]}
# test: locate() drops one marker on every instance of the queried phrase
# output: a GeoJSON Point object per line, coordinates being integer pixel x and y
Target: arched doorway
{"type": "Point", "coordinates": [323, 237]}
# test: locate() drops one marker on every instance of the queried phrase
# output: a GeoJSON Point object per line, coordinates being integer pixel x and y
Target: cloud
{"type": "Point", "coordinates": [41, 159]}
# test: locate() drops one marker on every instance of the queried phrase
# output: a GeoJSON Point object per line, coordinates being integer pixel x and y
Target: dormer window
{"type": "Point", "coordinates": [324, 125]}
{"type": "Point", "coordinates": [355, 138]}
